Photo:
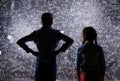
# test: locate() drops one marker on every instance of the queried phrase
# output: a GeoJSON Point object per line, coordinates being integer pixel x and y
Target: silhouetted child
{"type": "Point", "coordinates": [46, 40]}
{"type": "Point", "coordinates": [90, 62]}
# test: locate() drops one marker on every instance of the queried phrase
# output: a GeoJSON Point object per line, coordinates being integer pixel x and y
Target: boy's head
{"type": "Point", "coordinates": [47, 19]}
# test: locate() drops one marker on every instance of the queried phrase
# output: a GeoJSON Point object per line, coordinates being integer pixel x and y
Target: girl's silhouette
{"type": "Point", "coordinates": [90, 62]}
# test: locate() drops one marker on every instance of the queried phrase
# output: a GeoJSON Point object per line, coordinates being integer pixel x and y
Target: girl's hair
{"type": "Point", "coordinates": [89, 34]}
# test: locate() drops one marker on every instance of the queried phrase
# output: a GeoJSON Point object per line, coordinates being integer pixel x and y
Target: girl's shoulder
{"type": "Point", "coordinates": [80, 48]}
{"type": "Point", "coordinates": [99, 47]}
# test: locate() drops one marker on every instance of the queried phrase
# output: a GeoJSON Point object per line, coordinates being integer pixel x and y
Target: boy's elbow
{"type": "Point", "coordinates": [71, 41]}
{"type": "Point", "coordinates": [19, 42]}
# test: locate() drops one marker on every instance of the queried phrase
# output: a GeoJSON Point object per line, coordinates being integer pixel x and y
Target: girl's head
{"type": "Point", "coordinates": [89, 34]}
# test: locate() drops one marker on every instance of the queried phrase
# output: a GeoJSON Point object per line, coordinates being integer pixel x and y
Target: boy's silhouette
{"type": "Point", "coordinates": [46, 40]}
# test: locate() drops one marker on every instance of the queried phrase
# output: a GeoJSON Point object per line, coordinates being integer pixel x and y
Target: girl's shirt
{"type": "Point", "coordinates": [90, 57]}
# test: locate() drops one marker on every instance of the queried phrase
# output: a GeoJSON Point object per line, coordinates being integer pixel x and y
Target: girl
{"type": "Point", "coordinates": [90, 61]}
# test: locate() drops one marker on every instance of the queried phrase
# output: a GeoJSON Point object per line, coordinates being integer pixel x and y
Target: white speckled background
{"type": "Point", "coordinates": [20, 17]}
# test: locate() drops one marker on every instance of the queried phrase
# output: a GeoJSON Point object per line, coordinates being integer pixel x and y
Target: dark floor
{"type": "Point", "coordinates": [33, 80]}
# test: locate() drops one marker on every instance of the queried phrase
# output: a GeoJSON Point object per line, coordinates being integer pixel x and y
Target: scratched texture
{"type": "Point", "coordinates": [20, 17]}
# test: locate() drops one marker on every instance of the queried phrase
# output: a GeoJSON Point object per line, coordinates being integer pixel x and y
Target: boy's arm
{"type": "Point", "coordinates": [22, 43]}
{"type": "Point", "coordinates": [66, 45]}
